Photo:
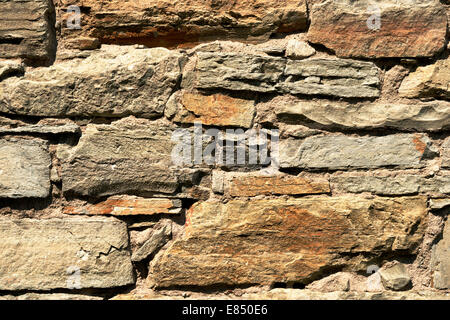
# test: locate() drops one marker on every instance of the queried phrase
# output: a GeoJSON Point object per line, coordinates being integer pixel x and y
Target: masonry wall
{"type": "Point", "coordinates": [131, 168]}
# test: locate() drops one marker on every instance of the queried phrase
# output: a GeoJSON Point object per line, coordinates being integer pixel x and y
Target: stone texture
{"type": "Point", "coordinates": [296, 49]}
{"type": "Point", "coordinates": [339, 281]}
{"type": "Point", "coordinates": [169, 23]}
{"type": "Point", "coordinates": [438, 204]}
{"type": "Point", "coordinates": [430, 116]}
{"type": "Point", "coordinates": [27, 30]}
{"type": "Point", "coordinates": [431, 80]}
{"type": "Point", "coordinates": [115, 81]}
{"type": "Point", "coordinates": [446, 153]}
{"type": "Point", "coordinates": [130, 156]}
{"type": "Point", "coordinates": [215, 110]}
{"type": "Point", "coordinates": [331, 77]}
{"type": "Point", "coordinates": [158, 239]}
{"type": "Point", "coordinates": [395, 277]}
{"type": "Point", "coordinates": [441, 260]}
{"type": "Point", "coordinates": [282, 240]}
{"type": "Point", "coordinates": [43, 254]}
{"type": "Point", "coordinates": [249, 185]}
{"type": "Point", "coordinates": [43, 129]}
{"type": "Point", "coordinates": [407, 28]}
{"type": "Point", "coordinates": [11, 68]}
{"type": "Point", "coordinates": [342, 152]}
{"type": "Point", "coordinates": [392, 185]}
{"type": "Point", "coordinates": [24, 168]}
{"type": "Point", "coordinates": [128, 206]}
{"type": "Point", "coordinates": [50, 296]}
{"type": "Point", "coordinates": [259, 73]}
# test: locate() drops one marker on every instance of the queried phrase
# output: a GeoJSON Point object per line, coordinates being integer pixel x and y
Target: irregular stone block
{"type": "Point", "coordinates": [387, 29]}
{"type": "Point", "coordinates": [432, 80]}
{"type": "Point", "coordinates": [44, 129]}
{"type": "Point", "coordinates": [282, 240]}
{"type": "Point", "coordinates": [446, 153]}
{"type": "Point", "coordinates": [158, 239]}
{"type": "Point", "coordinates": [64, 253]}
{"type": "Point", "coordinates": [249, 185]}
{"type": "Point", "coordinates": [215, 110]}
{"type": "Point", "coordinates": [395, 277]}
{"type": "Point", "coordinates": [128, 206]}
{"type": "Point", "coordinates": [168, 23]}
{"type": "Point", "coordinates": [441, 260]}
{"type": "Point", "coordinates": [114, 81]}
{"type": "Point", "coordinates": [24, 168]}
{"type": "Point", "coordinates": [343, 152]}
{"type": "Point", "coordinates": [296, 49]}
{"type": "Point", "coordinates": [130, 156]}
{"type": "Point", "coordinates": [11, 68]}
{"type": "Point", "coordinates": [27, 30]}
{"type": "Point", "coordinates": [430, 116]}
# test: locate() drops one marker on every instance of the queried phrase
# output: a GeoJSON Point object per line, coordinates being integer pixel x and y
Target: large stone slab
{"type": "Point", "coordinates": [64, 254]}
{"type": "Point", "coordinates": [115, 81]}
{"type": "Point", "coordinates": [130, 156]}
{"type": "Point", "coordinates": [282, 240]}
{"type": "Point", "coordinates": [27, 30]}
{"type": "Point", "coordinates": [441, 260]}
{"type": "Point", "coordinates": [24, 168]}
{"type": "Point", "coordinates": [428, 81]}
{"type": "Point", "coordinates": [260, 73]}
{"type": "Point", "coordinates": [387, 29]}
{"type": "Point", "coordinates": [343, 152]}
{"type": "Point", "coordinates": [168, 23]}
{"type": "Point", "coordinates": [430, 116]}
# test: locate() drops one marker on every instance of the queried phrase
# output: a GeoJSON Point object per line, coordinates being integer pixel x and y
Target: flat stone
{"type": "Point", "coordinates": [395, 277]}
{"type": "Point", "coordinates": [428, 81]}
{"type": "Point", "coordinates": [24, 168]}
{"type": "Point", "coordinates": [64, 254]}
{"type": "Point", "coordinates": [342, 152]}
{"type": "Point", "coordinates": [296, 49]}
{"type": "Point", "coordinates": [50, 296]}
{"type": "Point", "coordinates": [395, 185]}
{"type": "Point", "coordinates": [43, 129]}
{"type": "Point", "coordinates": [130, 156]}
{"type": "Point", "coordinates": [215, 110]}
{"type": "Point", "coordinates": [446, 153]}
{"type": "Point", "coordinates": [113, 81]}
{"type": "Point", "coordinates": [158, 239]}
{"type": "Point", "coordinates": [430, 116]}
{"type": "Point", "coordinates": [27, 31]}
{"type": "Point", "coordinates": [11, 68]}
{"type": "Point", "coordinates": [128, 206]}
{"type": "Point", "coordinates": [283, 240]}
{"type": "Point", "coordinates": [339, 281]}
{"type": "Point", "coordinates": [441, 260]}
{"type": "Point", "coordinates": [437, 204]}
{"type": "Point", "coordinates": [406, 28]}
{"type": "Point", "coordinates": [249, 185]}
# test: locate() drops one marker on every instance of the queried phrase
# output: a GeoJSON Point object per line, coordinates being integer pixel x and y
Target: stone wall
{"type": "Point", "coordinates": [254, 149]}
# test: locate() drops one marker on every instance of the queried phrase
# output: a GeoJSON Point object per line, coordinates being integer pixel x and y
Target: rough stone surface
{"type": "Point", "coordinates": [158, 239]}
{"type": "Point", "coordinates": [249, 185]}
{"type": "Point", "coordinates": [127, 157]}
{"type": "Point", "coordinates": [281, 240]}
{"type": "Point", "coordinates": [216, 110]}
{"type": "Point", "coordinates": [46, 254]}
{"type": "Point", "coordinates": [296, 49]}
{"type": "Point", "coordinates": [50, 296]}
{"type": "Point", "coordinates": [428, 116]}
{"type": "Point", "coordinates": [318, 76]}
{"type": "Point", "coordinates": [437, 204]}
{"type": "Point", "coordinates": [26, 30]}
{"type": "Point", "coordinates": [43, 129]}
{"type": "Point", "coordinates": [407, 28]}
{"type": "Point", "coordinates": [10, 68]}
{"type": "Point", "coordinates": [128, 206]}
{"type": "Point", "coordinates": [441, 260]}
{"type": "Point", "coordinates": [392, 185]}
{"type": "Point", "coordinates": [115, 81]}
{"type": "Point", "coordinates": [339, 281]}
{"type": "Point", "coordinates": [24, 168]}
{"type": "Point", "coordinates": [341, 152]}
{"type": "Point", "coordinates": [446, 153]}
{"type": "Point", "coordinates": [431, 80]}
{"type": "Point", "coordinates": [170, 23]}
{"type": "Point", "coordinates": [395, 277]}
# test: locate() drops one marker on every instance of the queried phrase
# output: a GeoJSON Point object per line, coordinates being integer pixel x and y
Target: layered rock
{"type": "Point", "coordinates": [441, 260]}
{"type": "Point", "coordinates": [115, 81]}
{"type": "Point", "coordinates": [446, 153]}
{"type": "Point", "coordinates": [388, 29]}
{"type": "Point", "coordinates": [64, 253]}
{"type": "Point", "coordinates": [430, 116]}
{"type": "Point", "coordinates": [282, 240]}
{"type": "Point", "coordinates": [27, 31]}
{"type": "Point", "coordinates": [342, 152]}
{"type": "Point", "coordinates": [24, 168]}
{"type": "Point", "coordinates": [170, 23]}
{"type": "Point", "coordinates": [429, 81]}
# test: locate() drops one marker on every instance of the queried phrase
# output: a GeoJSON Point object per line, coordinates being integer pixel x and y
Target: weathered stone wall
{"type": "Point", "coordinates": [124, 173]}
